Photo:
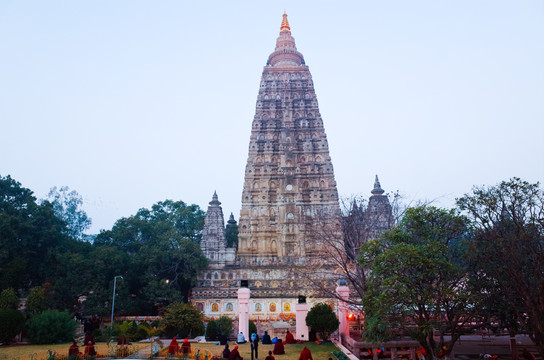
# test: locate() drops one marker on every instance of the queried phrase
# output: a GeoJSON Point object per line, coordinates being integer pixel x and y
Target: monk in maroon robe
{"type": "Point", "coordinates": [173, 349]}
{"type": "Point", "coordinates": [279, 349]}
{"type": "Point", "coordinates": [305, 354]}
{"type": "Point", "coordinates": [90, 350]}
{"type": "Point", "coordinates": [234, 354]}
{"type": "Point", "coordinates": [289, 338]}
{"type": "Point", "coordinates": [185, 348]}
{"type": "Point", "coordinates": [73, 351]}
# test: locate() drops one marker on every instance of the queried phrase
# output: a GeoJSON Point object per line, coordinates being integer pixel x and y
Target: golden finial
{"type": "Point", "coordinates": [285, 23]}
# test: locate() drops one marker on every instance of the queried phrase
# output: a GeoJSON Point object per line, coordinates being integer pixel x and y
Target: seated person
{"type": "Point", "coordinates": [90, 350]}
{"type": "Point", "coordinates": [173, 348]}
{"type": "Point", "coordinates": [226, 352]}
{"type": "Point", "coordinates": [234, 354]}
{"type": "Point", "coordinates": [305, 354]}
{"type": "Point", "coordinates": [279, 349]}
{"type": "Point", "coordinates": [185, 348]}
{"type": "Point", "coordinates": [289, 338]}
{"type": "Point", "coordinates": [73, 351]}
{"type": "Point", "coordinates": [270, 356]}
{"type": "Point", "coordinates": [241, 338]}
{"type": "Point", "coordinates": [266, 338]}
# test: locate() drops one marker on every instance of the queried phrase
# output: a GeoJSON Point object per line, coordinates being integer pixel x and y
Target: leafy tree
{"type": "Point", "coordinates": [225, 326]}
{"type": "Point", "coordinates": [36, 301]}
{"type": "Point", "coordinates": [507, 252]}
{"type": "Point", "coordinates": [182, 320]}
{"type": "Point", "coordinates": [11, 323]}
{"type": "Point", "coordinates": [322, 320]}
{"type": "Point", "coordinates": [418, 279]}
{"type": "Point", "coordinates": [212, 330]}
{"type": "Point", "coordinates": [67, 206]}
{"type": "Point", "coordinates": [161, 255]}
{"type": "Point", "coordinates": [51, 326]}
{"type": "Point", "coordinates": [8, 299]}
{"type": "Point", "coordinates": [29, 234]}
{"type": "Point", "coordinates": [220, 327]}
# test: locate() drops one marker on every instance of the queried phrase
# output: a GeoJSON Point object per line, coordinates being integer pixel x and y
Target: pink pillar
{"type": "Point", "coordinates": [343, 294]}
{"type": "Point", "coordinates": [302, 329]}
{"type": "Point", "coordinates": [243, 311]}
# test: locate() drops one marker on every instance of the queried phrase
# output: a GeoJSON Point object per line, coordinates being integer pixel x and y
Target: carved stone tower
{"type": "Point", "coordinates": [214, 243]}
{"type": "Point", "coordinates": [289, 178]}
{"type": "Point", "coordinates": [378, 214]}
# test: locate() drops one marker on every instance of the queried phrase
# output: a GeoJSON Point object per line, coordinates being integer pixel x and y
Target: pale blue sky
{"type": "Point", "coordinates": [133, 102]}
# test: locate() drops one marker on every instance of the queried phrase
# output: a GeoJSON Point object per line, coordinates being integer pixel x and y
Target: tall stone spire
{"type": "Point", "coordinates": [286, 52]}
{"type": "Point", "coordinates": [213, 234]}
{"type": "Point", "coordinates": [289, 180]}
{"type": "Point", "coordinates": [379, 213]}
{"type": "Point", "coordinates": [377, 187]}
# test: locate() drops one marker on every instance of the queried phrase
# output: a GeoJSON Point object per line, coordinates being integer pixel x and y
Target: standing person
{"type": "Point", "coordinates": [289, 338]}
{"type": "Point", "coordinates": [234, 354]}
{"type": "Point", "coordinates": [270, 356]}
{"type": "Point", "coordinates": [185, 349]}
{"type": "Point", "coordinates": [226, 352]}
{"type": "Point", "coordinates": [73, 351]}
{"type": "Point", "coordinates": [254, 345]}
{"type": "Point", "coordinates": [305, 354]}
{"type": "Point", "coordinates": [173, 349]}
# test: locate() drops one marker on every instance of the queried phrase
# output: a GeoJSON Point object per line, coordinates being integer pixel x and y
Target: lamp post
{"type": "Point", "coordinates": [113, 301]}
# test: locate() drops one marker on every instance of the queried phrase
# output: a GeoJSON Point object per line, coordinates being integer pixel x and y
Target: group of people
{"type": "Point", "coordinates": [279, 348]}
{"type": "Point", "coordinates": [175, 349]}
{"type": "Point", "coordinates": [74, 353]}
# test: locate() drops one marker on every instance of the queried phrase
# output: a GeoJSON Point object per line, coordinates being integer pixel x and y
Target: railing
{"type": "Point", "coordinates": [391, 350]}
{"type": "Point", "coordinates": [103, 351]}
{"type": "Point", "coordinates": [194, 354]}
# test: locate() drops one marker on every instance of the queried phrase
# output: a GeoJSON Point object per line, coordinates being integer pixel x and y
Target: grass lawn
{"type": "Point", "coordinates": [23, 352]}
{"type": "Point", "coordinates": [292, 351]}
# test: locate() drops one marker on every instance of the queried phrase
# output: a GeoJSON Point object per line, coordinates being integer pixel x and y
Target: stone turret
{"type": "Point", "coordinates": [378, 216]}
{"type": "Point", "coordinates": [213, 242]}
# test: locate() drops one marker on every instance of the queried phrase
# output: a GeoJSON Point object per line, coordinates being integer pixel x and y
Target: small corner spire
{"type": "Point", "coordinates": [354, 206]}
{"type": "Point", "coordinates": [215, 199]}
{"type": "Point", "coordinates": [285, 23]}
{"type": "Point", "coordinates": [377, 187]}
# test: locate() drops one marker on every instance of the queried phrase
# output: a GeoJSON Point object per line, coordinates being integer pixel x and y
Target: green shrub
{"type": "Point", "coordinates": [50, 327]}
{"type": "Point", "coordinates": [9, 299]}
{"type": "Point", "coordinates": [182, 320]}
{"type": "Point", "coordinates": [225, 326]}
{"type": "Point", "coordinates": [36, 302]}
{"type": "Point", "coordinates": [322, 320]}
{"type": "Point", "coordinates": [212, 330]}
{"type": "Point", "coordinates": [11, 323]}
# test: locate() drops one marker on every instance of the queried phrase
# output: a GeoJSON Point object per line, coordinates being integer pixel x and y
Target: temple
{"type": "Point", "coordinates": [289, 197]}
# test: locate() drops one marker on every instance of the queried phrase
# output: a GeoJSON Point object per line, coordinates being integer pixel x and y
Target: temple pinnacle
{"type": "Point", "coordinates": [215, 199]}
{"type": "Point", "coordinates": [285, 23]}
{"type": "Point", "coordinates": [377, 187]}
